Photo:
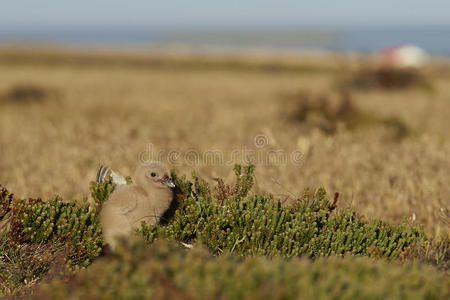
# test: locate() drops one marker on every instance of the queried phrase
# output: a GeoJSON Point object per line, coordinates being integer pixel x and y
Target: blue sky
{"type": "Point", "coordinates": [17, 14]}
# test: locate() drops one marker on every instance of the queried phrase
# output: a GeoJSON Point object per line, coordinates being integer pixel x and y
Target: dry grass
{"type": "Point", "coordinates": [110, 108]}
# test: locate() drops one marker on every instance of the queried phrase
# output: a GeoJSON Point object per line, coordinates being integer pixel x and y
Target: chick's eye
{"type": "Point", "coordinates": [153, 174]}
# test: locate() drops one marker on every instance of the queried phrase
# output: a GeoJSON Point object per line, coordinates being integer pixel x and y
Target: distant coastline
{"type": "Point", "coordinates": [435, 40]}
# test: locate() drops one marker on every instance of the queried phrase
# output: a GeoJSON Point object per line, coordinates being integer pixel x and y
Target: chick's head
{"type": "Point", "coordinates": [153, 174]}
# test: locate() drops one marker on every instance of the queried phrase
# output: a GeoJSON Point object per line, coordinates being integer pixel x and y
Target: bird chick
{"type": "Point", "coordinates": [147, 199]}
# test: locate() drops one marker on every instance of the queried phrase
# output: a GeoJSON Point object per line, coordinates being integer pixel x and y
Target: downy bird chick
{"type": "Point", "coordinates": [147, 199]}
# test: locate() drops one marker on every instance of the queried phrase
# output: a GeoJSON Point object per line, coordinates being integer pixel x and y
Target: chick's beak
{"type": "Point", "coordinates": [167, 181]}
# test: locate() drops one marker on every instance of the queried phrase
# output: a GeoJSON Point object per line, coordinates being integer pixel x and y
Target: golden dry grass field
{"type": "Point", "coordinates": [62, 113]}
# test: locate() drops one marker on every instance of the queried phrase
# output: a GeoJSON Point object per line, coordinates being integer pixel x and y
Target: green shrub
{"type": "Point", "coordinates": [225, 218]}
{"type": "Point", "coordinates": [74, 224]}
{"type": "Point", "coordinates": [229, 219]}
{"type": "Point", "coordinates": [100, 191]}
{"type": "Point", "coordinates": [36, 235]}
{"type": "Point", "coordinates": [164, 271]}
{"type": "Point", "coordinates": [36, 221]}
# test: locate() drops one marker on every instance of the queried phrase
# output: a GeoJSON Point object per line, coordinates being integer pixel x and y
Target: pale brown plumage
{"type": "Point", "coordinates": [147, 199]}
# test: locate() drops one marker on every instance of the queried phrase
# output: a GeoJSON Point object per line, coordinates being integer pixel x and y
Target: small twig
{"type": "Point", "coordinates": [334, 204]}
{"type": "Point", "coordinates": [236, 243]}
{"type": "Point", "coordinates": [277, 182]}
{"type": "Point", "coordinates": [289, 192]}
{"type": "Point", "coordinates": [189, 246]}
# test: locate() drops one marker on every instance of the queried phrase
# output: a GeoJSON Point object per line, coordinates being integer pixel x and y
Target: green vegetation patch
{"type": "Point", "coordinates": [41, 239]}
{"type": "Point", "coordinates": [165, 271]}
{"type": "Point", "coordinates": [37, 236]}
{"type": "Point", "coordinates": [37, 221]}
{"type": "Point", "coordinates": [33, 221]}
{"type": "Point", "coordinates": [229, 218]}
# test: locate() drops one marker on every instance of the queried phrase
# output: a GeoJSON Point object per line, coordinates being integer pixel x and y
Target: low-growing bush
{"type": "Point", "coordinates": [228, 218]}
{"type": "Point", "coordinates": [37, 221]}
{"type": "Point", "coordinates": [388, 78]}
{"type": "Point", "coordinates": [34, 221]}
{"type": "Point", "coordinates": [27, 93]}
{"type": "Point", "coordinates": [327, 111]}
{"type": "Point", "coordinates": [37, 236]}
{"type": "Point", "coordinates": [165, 271]}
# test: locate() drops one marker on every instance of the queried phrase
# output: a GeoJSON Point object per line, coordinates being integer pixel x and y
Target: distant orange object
{"type": "Point", "coordinates": [402, 56]}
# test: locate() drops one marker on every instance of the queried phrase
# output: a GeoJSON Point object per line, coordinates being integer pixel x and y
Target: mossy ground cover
{"type": "Point", "coordinates": [261, 239]}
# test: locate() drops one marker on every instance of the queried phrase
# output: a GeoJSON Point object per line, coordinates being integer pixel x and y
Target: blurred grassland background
{"type": "Point", "coordinates": [385, 150]}
{"type": "Point", "coordinates": [358, 91]}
